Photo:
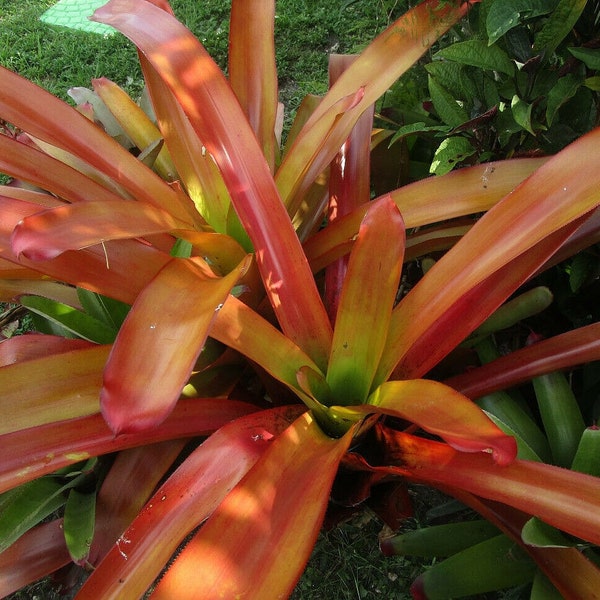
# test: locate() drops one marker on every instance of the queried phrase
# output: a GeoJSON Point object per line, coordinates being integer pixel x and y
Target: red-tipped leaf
{"type": "Point", "coordinates": [442, 411]}
{"type": "Point", "coordinates": [171, 318]}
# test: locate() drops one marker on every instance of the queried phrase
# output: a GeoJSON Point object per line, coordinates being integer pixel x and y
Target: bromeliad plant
{"type": "Point", "coordinates": [212, 236]}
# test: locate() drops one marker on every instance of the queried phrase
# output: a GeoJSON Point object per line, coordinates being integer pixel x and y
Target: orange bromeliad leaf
{"type": "Point", "coordinates": [244, 330]}
{"type": "Point", "coordinates": [257, 542]}
{"type": "Point", "coordinates": [186, 499]}
{"type": "Point", "coordinates": [47, 234]}
{"type": "Point", "coordinates": [173, 314]}
{"type": "Point", "coordinates": [560, 352]}
{"type": "Point", "coordinates": [456, 194]}
{"type": "Point", "coordinates": [216, 116]}
{"type": "Point", "coordinates": [71, 131]}
{"type": "Point", "coordinates": [398, 47]}
{"type": "Point", "coordinates": [535, 488]}
{"type": "Point", "coordinates": [442, 411]}
{"type": "Point", "coordinates": [118, 269]}
{"type": "Point", "coordinates": [36, 451]}
{"type": "Point", "coordinates": [252, 70]}
{"type": "Point", "coordinates": [65, 385]}
{"type": "Point", "coordinates": [366, 303]}
{"type": "Point", "coordinates": [132, 479]}
{"type": "Point", "coordinates": [135, 123]}
{"type": "Point", "coordinates": [469, 310]}
{"type": "Point", "coordinates": [39, 552]}
{"type": "Point", "coordinates": [561, 191]}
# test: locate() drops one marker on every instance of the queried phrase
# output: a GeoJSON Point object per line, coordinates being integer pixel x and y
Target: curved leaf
{"type": "Point", "coordinates": [21, 348]}
{"type": "Point", "coordinates": [256, 543]}
{"type": "Point", "coordinates": [31, 453]}
{"type": "Point", "coordinates": [51, 232]}
{"type": "Point", "coordinates": [73, 132]}
{"type": "Point", "coordinates": [553, 354]}
{"type": "Point", "coordinates": [442, 411]}
{"type": "Point", "coordinates": [462, 192]}
{"type": "Point", "coordinates": [186, 499]}
{"type": "Point", "coordinates": [532, 487]}
{"type": "Point", "coordinates": [549, 202]}
{"type": "Point", "coordinates": [398, 47]}
{"type": "Point", "coordinates": [172, 317]}
{"type": "Point", "coordinates": [244, 330]}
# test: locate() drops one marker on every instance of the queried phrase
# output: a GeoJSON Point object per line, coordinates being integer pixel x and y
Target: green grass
{"type": "Point", "coordinates": [306, 32]}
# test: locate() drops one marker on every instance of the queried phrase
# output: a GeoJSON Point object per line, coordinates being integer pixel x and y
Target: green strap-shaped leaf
{"type": "Point", "coordinates": [495, 564]}
{"type": "Point", "coordinates": [587, 457]}
{"type": "Point", "coordinates": [439, 540]}
{"type": "Point", "coordinates": [537, 533]}
{"type": "Point", "coordinates": [561, 416]}
{"type": "Point", "coordinates": [27, 505]}
{"type": "Point", "coordinates": [111, 312]}
{"type": "Point", "coordinates": [74, 321]}
{"type": "Point", "coordinates": [80, 512]}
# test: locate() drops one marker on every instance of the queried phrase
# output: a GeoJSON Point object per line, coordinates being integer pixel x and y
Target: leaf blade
{"type": "Point", "coordinates": [139, 391]}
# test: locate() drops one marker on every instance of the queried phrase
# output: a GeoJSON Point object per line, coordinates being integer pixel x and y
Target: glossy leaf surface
{"type": "Point", "coordinates": [216, 116]}
{"type": "Point", "coordinates": [558, 193]}
{"type": "Point", "coordinates": [28, 455]}
{"type": "Point", "coordinates": [173, 313]}
{"type": "Point", "coordinates": [278, 508]}
{"type": "Point", "coordinates": [363, 316]}
{"type": "Point", "coordinates": [61, 386]}
{"type": "Point", "coordinates": [186, 499]}
{"type": "Point", "coordinates": [442, 411]}
{"type": "Point", "coordinates": [524, 485]}
{"type": "Point", "coordinates": [72, 227]}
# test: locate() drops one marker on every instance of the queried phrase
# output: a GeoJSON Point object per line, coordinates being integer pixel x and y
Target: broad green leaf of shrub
{"type": "Point", "coordinates": [478, 54]}
{"type": "Point", "coordinates": [558, 26]}
{"type": "Point", "coordinates": [415, 128]}
{"type": "Point", "coordinates": [448, 109]}
{"type": "Point", "coordinates": [566, 87]}
{"type": "Point", "coordinates": [454, 78]}
{"type": "Point", "coordinates": [449, 153]}
{"type": "Point", "coordinates": [521, 111]}
{"type": "Point", "coordinates": [590, 57]}
{"type": "Point", "coordinates": [502, 16]}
